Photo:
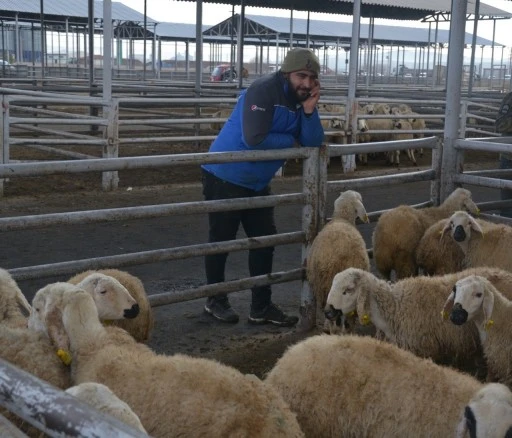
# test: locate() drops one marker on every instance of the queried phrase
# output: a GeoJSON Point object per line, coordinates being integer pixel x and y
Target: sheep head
{"type": "Point", "coordinates": [488, 413]}
{"type": "Point", "coordinates": [460, 199]}
{"type": "Point", "coordinates": [346, 296]}
{"type": "Point", "coordinates": [460, 225]}
{"type": "Point", "coordinates": [349, 206]}
{"type": "Point", "coordinates": [57, 309]}
{"type": "Point", "coordinates": [111, 298]}
{"type": "Point", "coordinates": [472, 298]}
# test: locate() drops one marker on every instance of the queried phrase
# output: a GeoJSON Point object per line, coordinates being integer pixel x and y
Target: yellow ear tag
{"type": "Point", "coordinates": [444, 314]}
{"type": "Point", "coordinates": [365, 319]}
{"type": "Point", "coordinates": [488, 324]}
{"type": "Point", "coordinates": [107, 322]}
{"type": "Point", "coordinates": [351, 314]}
{"type": "Point", "coordinates": [64, 356]}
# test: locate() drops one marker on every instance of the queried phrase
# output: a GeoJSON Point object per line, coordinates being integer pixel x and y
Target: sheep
{"type": "Point", "coordinates": [357, 386]}
{"type": "Point", "coordinates": [405, 312]}
{"type": "Point", "coordinates": [476, 299]}
{"type": "Point", "coordinates": [377, 108]}
{"type": "Point", "coordinates": [437, 254]}
{"type": "Point", "coordinates": [104, 400]}
{"type": "Point", "coordinates": [221, 114]}
{"type": "Point", "coordinates": [483, 243]}
{"type": "Point", "coordinates": [139, 327]}
{"type": "Point", "coordinates": [172, 395]}
{"type": "Point", "coordinates": [399, 230]}
{"type": "Point", "coordinates": [337, 246]}
{"type": "Point", "coordinates": [11, 300]}
{"type": "Point", "coordinates": [402, 125]}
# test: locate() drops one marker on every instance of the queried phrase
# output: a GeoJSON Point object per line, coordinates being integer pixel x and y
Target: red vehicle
{"type": "Point", "coordinates": [223, 73]}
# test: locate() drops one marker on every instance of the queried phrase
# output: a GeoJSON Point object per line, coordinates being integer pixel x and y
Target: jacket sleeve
{"type": "Point", "coordinates": [257, 117]}
{"type": "Point", "coordinates": [311, 130]}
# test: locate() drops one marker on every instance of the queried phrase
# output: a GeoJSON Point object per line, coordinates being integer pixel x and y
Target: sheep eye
{"type": "Point", "coordinates": [103, 292]}
{"type": "Point", "coordinates": [479, 294]}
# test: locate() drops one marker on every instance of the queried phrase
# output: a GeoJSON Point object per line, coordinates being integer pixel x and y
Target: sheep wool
{"type": "Point", "coordinates": [399, 231]}
{"type": "Point", "coordinates": [407, 312]}
{"type": "Point", "coordinates": [12, 301]}
{"type": "Point", "coordinates": [337, 246]}
{"type": "Point", "coordinates": [172, 395]}
{"type": "Point", "coordinates": [357, 386]}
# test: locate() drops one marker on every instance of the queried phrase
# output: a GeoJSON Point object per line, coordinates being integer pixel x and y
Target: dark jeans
{"type": "Point", "coordinates": [224, 226]}
{"type": "Point", "coordinates": [505, 194]}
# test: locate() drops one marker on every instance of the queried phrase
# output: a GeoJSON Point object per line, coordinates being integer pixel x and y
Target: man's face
{"type": "Point", "coordinates": [301, 83]}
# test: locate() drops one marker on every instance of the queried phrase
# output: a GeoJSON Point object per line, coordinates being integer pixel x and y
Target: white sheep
{"type": "Point", "coordinates": [406, 312]}
{"type": "Point", "coordinates": [104, 400]}
{"type": "Point", "coordinates": [11, 298]}
{"type": "Point", "coordinates": [474, 298]}
{"type": "Point", "coordinates": [141, 324]}
{"type": "Point", "coordinates": [402, 125]}
{"type": "Point", "coordinates": [172, 395]}
{"type": "Point", "coordinates": [357, 386]}
{"type": "Point", "coordinates": [483, 243]}
{"type": "Point", "coordinates": [399, 230]}
{"type": "Point", "coordinates": [337, 246]}
{"type": "Point", "coordinates": [438, 254]}
{"type": "Point", "coordinates": [223, 113]}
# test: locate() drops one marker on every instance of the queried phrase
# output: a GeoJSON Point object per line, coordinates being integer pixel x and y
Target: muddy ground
{"type": "Point", "coordinates": [182, 327]}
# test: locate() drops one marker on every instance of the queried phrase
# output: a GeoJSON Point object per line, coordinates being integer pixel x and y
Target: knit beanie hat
{"type": "Point", "coordinates": [300, 59]}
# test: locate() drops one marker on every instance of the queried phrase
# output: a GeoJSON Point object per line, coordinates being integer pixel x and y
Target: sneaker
{"type": "Point", "coordinates": [221, 309]}
{"type": "Point", "coordinates": [273, 315]}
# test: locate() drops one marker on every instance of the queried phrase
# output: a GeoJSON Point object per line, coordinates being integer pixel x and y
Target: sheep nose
{"type": "Point", "coordinates": [132, 312]}
{"type": "Point", "coordinates": [332, 314]}
{"type": "Point", "coordinates": [458, 315]}
{"type": "Point", "coordinates": [459, 234]}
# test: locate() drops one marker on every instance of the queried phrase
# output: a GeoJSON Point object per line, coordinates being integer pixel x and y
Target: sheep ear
{"type": "Point", "coordinates": [447, 308]}
{"type": "Point", "coordinates": [361, 213]}
{"type": "Point", "coordinates": [56, 330]}
{"type": "Point", "coordinates": [488, 304]}
{"type": "Point", "coordinates": [446, 229]}
{"type": "Point", "coordinates": [22, 301]}
{"type": "Point", "coordinates": [475, 226]}
{"type": "Point", "coordinates": [462, 428]}
{"type": "Point", "coordinates": [363, 306]}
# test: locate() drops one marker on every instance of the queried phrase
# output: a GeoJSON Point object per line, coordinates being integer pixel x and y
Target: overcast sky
{"type": "Point", "coordinates": [185, 12]}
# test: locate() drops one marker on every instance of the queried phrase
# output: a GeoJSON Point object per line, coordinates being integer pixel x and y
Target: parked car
{"type": "Point", "coordinates": [223, 73]}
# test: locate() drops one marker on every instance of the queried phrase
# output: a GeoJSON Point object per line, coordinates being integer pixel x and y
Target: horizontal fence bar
{"type": "Point", "coordinates": [225, 287]}
{"type": "Point", "coordinates": [145, 212]}
{"type": "Point", "coordinates": [53, 141]}
{"type": "Point", "coordinates": [498, 144]}
{"type": "Point", "coordinates": [104, 164]}
{"type": "Point", "coordinates": [57, 121]}
{"type": "Point", "coordinates": [382, 146]}
{"type": "Point", "coordinates": [139, 258]}
{"type": "Point", "coordinates": [54, 411]}
{"type": "Point", "coordinates": [483, 181]}
{"type": "Point", "coordinates": [385, 180]}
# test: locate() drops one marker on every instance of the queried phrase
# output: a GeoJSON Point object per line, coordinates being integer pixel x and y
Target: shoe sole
{"type": "Point", "coordinates": [267, 321]}
{"type": "Point", "coordinates": [210, 312]}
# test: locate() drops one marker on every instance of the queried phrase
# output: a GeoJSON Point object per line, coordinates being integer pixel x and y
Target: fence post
{"type": "Point", "coordinates": [4, 145]}
{"type": "Point", "coordinates": [110, 180]}
{"type": "Point", "coordinates": [310, 221]}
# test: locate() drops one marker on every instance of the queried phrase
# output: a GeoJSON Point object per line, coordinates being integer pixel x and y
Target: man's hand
{"type": "Point", "coordinates": [309, 104]}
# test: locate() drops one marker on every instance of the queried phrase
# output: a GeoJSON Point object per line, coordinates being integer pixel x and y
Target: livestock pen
{"type": "Point", "coordinates": [309, 196]}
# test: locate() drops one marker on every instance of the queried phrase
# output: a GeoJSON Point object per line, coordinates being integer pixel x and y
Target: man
{"type": "Point", "coordinates": [277, 111]}
{"type": "Point", "coordinates": [504, 127]}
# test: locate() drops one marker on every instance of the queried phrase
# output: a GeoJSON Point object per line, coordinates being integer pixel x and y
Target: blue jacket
{"type": "Point", "coordinates": [264, 117]}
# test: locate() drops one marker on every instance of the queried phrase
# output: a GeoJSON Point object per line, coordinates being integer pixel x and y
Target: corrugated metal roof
{"type": "Point", "coordinates": [332, 30]}
{"type": "Point", "coordinates": [29, 10]}
{"type": "Point", "coordinates": [392, 9]}
{"type": "Point", "coordinates": [177, 31]}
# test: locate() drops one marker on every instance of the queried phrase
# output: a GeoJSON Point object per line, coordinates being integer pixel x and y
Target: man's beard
{"type": "Point", "coordinates": [299, 97]}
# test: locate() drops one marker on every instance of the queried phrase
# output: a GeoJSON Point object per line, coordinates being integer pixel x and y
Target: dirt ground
{"type": "Point", "coordinates": [182, 327]}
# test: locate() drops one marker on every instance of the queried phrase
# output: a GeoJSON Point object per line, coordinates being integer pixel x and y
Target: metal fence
{"type": "Point", "coordinates": [312, 197]}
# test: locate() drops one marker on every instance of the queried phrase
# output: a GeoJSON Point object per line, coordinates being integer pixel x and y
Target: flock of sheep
{"type": "Point", "coordinates": [397, 359]}
{"type": "Point", "coordinates": [403, 124]}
